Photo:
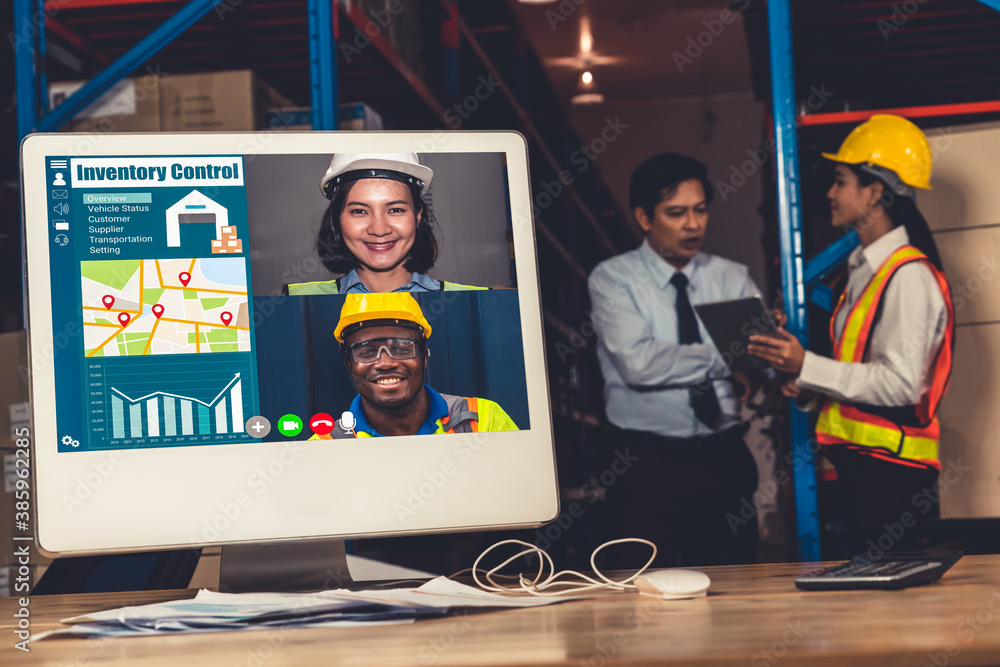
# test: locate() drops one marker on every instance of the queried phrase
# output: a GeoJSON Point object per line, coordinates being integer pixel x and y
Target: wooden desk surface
{"type": "Point", "coordinates": [754, 615]}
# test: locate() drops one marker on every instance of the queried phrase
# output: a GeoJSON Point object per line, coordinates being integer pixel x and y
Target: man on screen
{"type": "Point", "coordinates": [384, 340]}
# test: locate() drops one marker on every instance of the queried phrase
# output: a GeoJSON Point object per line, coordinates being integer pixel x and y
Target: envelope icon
{"type": "Point", "coordinates": [60, 194]}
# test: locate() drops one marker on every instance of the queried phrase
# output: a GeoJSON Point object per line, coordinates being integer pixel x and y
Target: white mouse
{"type": "Point", "coordinates": [673, 584]}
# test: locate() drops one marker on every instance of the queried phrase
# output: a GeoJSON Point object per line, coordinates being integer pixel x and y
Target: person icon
{"type": "Point", "coordinates": [59, 180]}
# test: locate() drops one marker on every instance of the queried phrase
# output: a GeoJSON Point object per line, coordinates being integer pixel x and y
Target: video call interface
{"type": "Point", "coordinates": [170, 275]}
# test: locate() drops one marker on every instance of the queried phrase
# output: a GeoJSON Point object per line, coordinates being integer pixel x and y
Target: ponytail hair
{"type": "Point", "coordinates": [902, 211]}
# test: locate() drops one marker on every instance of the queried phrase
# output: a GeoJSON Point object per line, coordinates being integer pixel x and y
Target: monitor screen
{"type": "Point", "coordinates": [208, 313]}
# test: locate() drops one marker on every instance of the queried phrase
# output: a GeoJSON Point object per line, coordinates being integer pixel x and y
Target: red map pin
{"type": "Point", "coordinates": [108, 301]}
{"type": "Point", "coordinates": [157, 310]}
{"type": "Point", "coordinates": [123, 318]}
{"type": "Point", "coordinates": [227, 317]}
{"type": "Point", "coordinates": [184, 277]}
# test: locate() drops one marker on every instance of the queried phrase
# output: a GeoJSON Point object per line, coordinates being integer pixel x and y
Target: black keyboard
{"type": "Point", "coordinates": [900, 569]}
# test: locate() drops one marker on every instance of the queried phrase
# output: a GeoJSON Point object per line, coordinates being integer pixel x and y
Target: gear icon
{"type": "Point", "coordinates": [67, 440]}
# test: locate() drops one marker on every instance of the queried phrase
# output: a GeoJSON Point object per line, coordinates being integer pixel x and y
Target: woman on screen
{"type": "Point", "coordinates": [378, 233]}
{"type": "Point", "coordinates": [892, 335]}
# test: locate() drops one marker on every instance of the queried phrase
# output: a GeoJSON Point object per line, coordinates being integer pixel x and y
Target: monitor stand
{"type": "Point", "coordinates": [312, 565]}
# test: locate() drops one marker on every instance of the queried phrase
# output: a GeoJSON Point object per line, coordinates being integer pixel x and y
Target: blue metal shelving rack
{"type": "Point", "coordinates": [32, 88]}
{"type": "Point", "coordinates": [779, 19]}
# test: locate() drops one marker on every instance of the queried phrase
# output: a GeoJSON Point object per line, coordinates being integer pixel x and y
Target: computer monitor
{"type": "Point", "coordinates": [179, 286]}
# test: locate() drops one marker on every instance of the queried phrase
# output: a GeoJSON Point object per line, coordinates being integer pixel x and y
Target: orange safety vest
{"type": "Point", "coordinates": [463, 417]}
{"type": "Point", "coordinates": [901, 435]}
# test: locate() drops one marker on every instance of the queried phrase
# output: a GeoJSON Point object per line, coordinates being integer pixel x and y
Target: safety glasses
{"type": "Point", "coordinates": [368, 351]}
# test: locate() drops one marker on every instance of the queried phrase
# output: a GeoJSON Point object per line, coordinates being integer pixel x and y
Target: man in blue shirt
{"type": "Point", "coordinates": [670, 397]}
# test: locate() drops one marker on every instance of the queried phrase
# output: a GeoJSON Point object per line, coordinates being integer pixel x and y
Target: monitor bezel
{"type": "Point", "coordinates": [527, 473]}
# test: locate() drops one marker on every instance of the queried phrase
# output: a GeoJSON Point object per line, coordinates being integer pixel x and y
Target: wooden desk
{"type": "Point", "coordinates": [754, 616]}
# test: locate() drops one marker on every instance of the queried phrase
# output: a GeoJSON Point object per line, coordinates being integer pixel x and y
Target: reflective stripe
{"type": "Point", "coordinates": [834, 428]}
{"type": "Point", "coordinates": [474, 407]}
{"type": "Point", "coordinates": [859, 320]}
{"type": "Point", "coordinates": [845, 424]}
{"type": "Point", "coordinates": [318, 287]}
{"type": "Point", "coordinates": [461, 415]}
{"type": "Point", "coordinates": [465, 415]}
{"type": "Point", "coordinates": [912, 463]}
{"type": "Point", "coordinates": [331, 287]}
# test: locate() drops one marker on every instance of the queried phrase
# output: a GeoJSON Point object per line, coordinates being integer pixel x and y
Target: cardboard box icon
{"type": "Point", "coordinates": [229, 247]}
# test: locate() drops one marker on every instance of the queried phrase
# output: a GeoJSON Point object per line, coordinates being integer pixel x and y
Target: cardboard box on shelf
{"type": "Point", "coordinates": [131, 105]}
{"type": "Point", "coordinates": [291, 119]}
{"type": "Point", "coordinates": [217, 101]}
{"type": "Point", "coordinates": [14, 414]}
{"type": "Point", "coordinates": [353, 116]}
{"type": "Point", "coordinates": [359, 116]}
{"type": "Point", "coordinates": [13, 385]}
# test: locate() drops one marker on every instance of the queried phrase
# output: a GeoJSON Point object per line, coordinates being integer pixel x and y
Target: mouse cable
{"type": "Point", "coordinates": [541, 584]}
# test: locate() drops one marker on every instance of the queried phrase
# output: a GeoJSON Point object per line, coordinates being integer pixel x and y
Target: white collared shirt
{"type": "Point", "coordinates": [647, 372]}
{"type": "Point", "coordinates": [903, 343]}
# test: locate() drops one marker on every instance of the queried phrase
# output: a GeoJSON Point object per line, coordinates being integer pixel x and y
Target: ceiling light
{"type": "Point", "coordinates": [586, 37]}
{"type": "Point", "coordinates": [587, 91]}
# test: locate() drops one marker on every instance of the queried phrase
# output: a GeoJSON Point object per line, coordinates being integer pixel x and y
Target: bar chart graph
{"type": "Point", "coordinates": [180, 401]}
{"type": "Point", "coordinates": [181, 415]}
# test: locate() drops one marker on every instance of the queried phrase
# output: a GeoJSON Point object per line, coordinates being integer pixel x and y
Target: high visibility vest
{"type": "Point", "coordinates": [465, 415]}
{"type": "Point", "coordinates": [333, 287]}
{"type": "Point", "coordinates": [906, 434]}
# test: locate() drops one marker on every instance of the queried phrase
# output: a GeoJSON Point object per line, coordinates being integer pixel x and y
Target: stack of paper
{"type": "Point", "coordinates": [214, 612]}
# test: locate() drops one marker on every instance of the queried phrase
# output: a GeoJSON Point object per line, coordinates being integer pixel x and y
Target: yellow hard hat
{"type": "Point", "coordinates": [889, 142]}
{"type": "Point", "coordinates": [381, 308]}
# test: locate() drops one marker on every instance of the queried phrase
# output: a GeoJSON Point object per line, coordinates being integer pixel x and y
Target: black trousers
{"type": "Point", "coordinates": [692, 497]}
{"type": "Point", "coordinates": [886, 505]}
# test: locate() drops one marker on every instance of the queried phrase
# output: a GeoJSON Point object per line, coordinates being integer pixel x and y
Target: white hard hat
{"type": "Point", "coordinates": [403, 167]}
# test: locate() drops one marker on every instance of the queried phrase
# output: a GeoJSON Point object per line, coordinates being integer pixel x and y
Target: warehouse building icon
{"type": "Point", "coordinates": [197, 208]}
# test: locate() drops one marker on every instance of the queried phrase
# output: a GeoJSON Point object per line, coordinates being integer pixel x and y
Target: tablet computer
{"type": "Point", "coordinates": [730, 323]}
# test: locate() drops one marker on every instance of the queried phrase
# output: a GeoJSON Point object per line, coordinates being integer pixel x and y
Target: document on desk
{"type": "Point", "coordinates": [443, 593]}
{"type": "Point", "coordinates": [209, 611]}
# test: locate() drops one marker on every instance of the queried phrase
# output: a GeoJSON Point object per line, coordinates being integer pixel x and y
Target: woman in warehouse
{"type": "Point", "coordinates": [377, 233]}
{"type": "Point", "coordinates": [892, 334]}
